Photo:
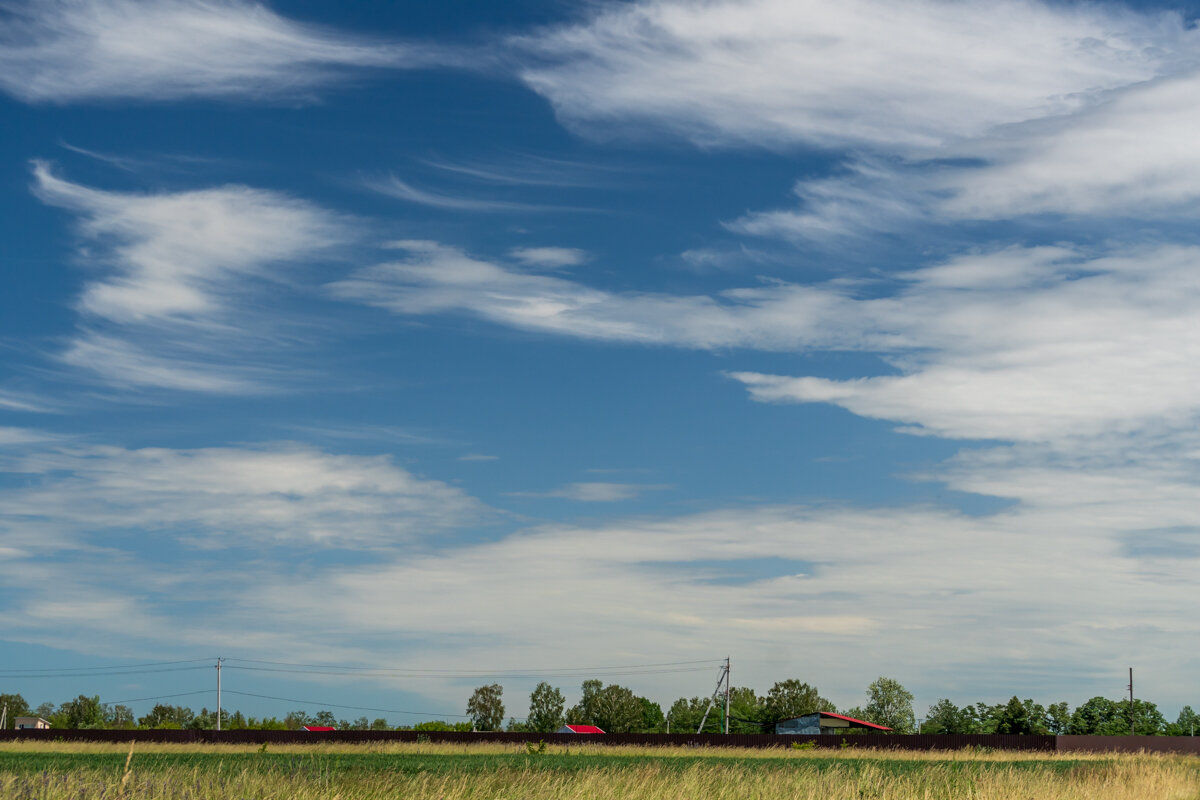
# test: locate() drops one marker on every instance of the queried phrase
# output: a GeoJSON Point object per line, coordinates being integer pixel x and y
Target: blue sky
{"type": "Point", "coordinates": [529, 336]}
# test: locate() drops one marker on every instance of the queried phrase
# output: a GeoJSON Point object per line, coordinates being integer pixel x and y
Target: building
{"type": "Point", "coordinates": [826, 722]}
{"type": "Point", "coordinates": [30, 723]}
{"type": "Point", "coordinates": [579, 729]}
{"type": "Point", "coordinates": [319, 728]}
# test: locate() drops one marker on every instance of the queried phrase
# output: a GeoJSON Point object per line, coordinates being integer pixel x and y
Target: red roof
{"type": "Point", "coordinates": [855, 721]}
{"type": "Point", "coordinates": [319, 728]}
{"type": "Point", "coordinates": [583, 729]}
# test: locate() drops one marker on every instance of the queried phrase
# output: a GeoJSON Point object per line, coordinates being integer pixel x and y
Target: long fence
{"type": "Point", "coordinates": [1124, 744]}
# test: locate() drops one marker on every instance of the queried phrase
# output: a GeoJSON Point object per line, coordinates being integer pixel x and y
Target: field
{"type": "Point", "coordinates": [57, 771]}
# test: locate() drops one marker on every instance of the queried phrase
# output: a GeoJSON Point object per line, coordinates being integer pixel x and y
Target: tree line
{"type": "Point", "coordinates": [618, 709]}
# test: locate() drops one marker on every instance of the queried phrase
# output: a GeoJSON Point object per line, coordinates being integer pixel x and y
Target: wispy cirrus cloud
{"type": "Point", "coordinates": [257, 496]}
{"type": "Point", "coordinates": [596, 491]}
{"type": "Point", "coordinates": [178, 270]}
{"type": "Point", "coordinates": [1026, 344]}
{"type": "Point", "coordinates": [863, 73]}
{"type": "Point", "coordinates": [72, 50]}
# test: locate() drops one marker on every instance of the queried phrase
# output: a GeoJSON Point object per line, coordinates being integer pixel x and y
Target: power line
{"type": "Point", "coordinates": [416, 674]}
{"type": "Point", "coordinates": [14, 672]}
{"type": "Point", "coordinates": [95, 674]}
{"type": "Point", "coordinates": [338, 705]}
{"type": "Point", "coordinates": [710, 661]}
{"type": "Point", "coordinates": [159, 697]}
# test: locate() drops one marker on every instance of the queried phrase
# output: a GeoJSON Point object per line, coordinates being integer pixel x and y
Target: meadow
{"type": "Point", "coordinates": [79, 771]}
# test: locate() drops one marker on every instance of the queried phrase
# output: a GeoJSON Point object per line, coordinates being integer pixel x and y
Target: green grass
{"type": "Point", "coordinates": [326, 763]}
{"type": "Point", "coordinates": [92, 771]}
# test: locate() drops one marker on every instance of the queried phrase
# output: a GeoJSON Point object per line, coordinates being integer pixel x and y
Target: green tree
{"type": "Point", "coordinates": [586, 711]}
{"type": "Point", "coordinates": [17, 707]}
{"type": "Point", "coordinates": [1014, 718]}
{"type": "Point", "coordinates": [380, 724]}
{"type": "Point", "coordinates": [118, 716]}
{"type": "Point", "coordinates": [685, 715]}
{"type": "Point", "coordinates": [1186, 723]}
{"type": "Point", "coordinates": [83, 712]}
{"type": "Point", "coordinates": [295, 720]}
{"type": "Point", "coordinates": [748, 712]}
{"type": "Point", "coordinates": [793, 698]}
{"type": "Point", "coordinates": [545, 708]}
{"type": "Point", "coordinates": [653, 720]}
{"type": "Point", "coordinates": [1058, 718]}
{"type": "Point", "coordinates": [889, 704]}
{"type": "Point", "coordinates": [166, 716]}
{"type": "Point", "coordinates": [486, 708]}
{"type": "Point", "coordinates": [945, 717]}
{"type": "Point", "coordinates": [1096, 716]}
{"type": "Point", "coordinates": [615, 709]}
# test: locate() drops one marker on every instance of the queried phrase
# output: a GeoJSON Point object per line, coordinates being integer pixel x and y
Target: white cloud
{"type": "Point", "coordinates": [771, 72]}
{"type": "Point", "coordinates": [596, 491]}
{"type": "Point", "coordinates": [1030, 344]}
{"type": "Point", "coordinates": [436, 278]}
{"type": "Point", "coordinates": [549, 257]}
{"type": "Point", "coordinates": [1133, 156]}
{"type": "Point", "coordinates": [394, 187]}
{"type": "Point", "coordinates": [181, 268]}
{"type": "Point", "coordinates": [67, 50]}
{"type": "Point", "coordinates": [1026, 344]}
{"type": "Point", "coordinates": [283, 493]}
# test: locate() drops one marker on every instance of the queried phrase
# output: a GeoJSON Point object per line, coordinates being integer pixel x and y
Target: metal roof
{"type": "Point", "coordinates": [864, 723]}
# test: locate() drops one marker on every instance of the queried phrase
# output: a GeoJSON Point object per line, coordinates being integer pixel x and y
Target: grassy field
{"type": "Point", "coordinates": [57, 771]}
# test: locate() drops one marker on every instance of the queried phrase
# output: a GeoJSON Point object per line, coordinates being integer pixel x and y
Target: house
{"type": "Point", "coordinates": [319, 728]}
{"type": "Point", "coordinates": [30, 723]}
{"type": "Point", "coordinates": [825, 722]}
{"type": "Point", "coordinates": [579, 729]}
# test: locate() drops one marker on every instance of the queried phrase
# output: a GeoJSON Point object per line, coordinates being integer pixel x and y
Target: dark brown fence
{"type": "Point", "coordinates": [861, 741]}
{"type": "Point", "coordinates": [1129, 744]}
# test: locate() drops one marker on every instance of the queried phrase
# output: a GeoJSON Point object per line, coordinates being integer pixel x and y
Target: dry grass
{"type": "Point", "coordinates": [613, 773]}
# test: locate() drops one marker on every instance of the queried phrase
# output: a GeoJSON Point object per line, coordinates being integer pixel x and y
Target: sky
{"type": "Point", "coordinates": [472, 341]}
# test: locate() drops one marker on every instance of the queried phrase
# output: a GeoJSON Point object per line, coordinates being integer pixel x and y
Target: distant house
{"type": "Point", "coordinates": [30, 723]}
{"type": "Point", "coordinates": [319, 728]}
{"type": "Point", "coordinates": [579, 729]}
{"type": "Point", "coordinates": [825, 722]}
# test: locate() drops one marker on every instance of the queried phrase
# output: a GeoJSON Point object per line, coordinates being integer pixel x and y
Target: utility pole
{"type": "Point", "coordinates": [726, 695]}
{"type": "Point", "coordinates": [4, 717]}
{"type": "Point", "coordinates": [219, 660]}
{"type": "Point", "coordinates": [723, 680]}
{"type": "Point", "coordinates": [1131, 730]}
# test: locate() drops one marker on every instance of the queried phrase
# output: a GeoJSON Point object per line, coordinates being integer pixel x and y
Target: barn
{"type": "Point", "coordinates": [826, 722]}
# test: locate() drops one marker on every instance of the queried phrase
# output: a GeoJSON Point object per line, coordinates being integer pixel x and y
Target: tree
{"type": "Point", "coordinates": [618, 709]}
{"type": "Point", "coordinates": [165, 716]}
{"type": "Point", "coordinates": [545, 708]}
{"type": "Point", "coordinates": [1186, 723]}
{"type": "Point", "coordinates": [793, 698]}
{"type": "Point", "coordinates": [652, 717]}
{"type": "Point", "coordinates": [685, 716]}
{"type": "Point", "coordinates": [485, 708]}
{"type": "Point", "coordinates": [889, 704]}
{"type": "Point", "coordinates": [945, 717]}
{"type": "Point", "coordinates": [1058, 718]}
{"type": "Point", "coordinates": [118, 716]}
{"type": "Point", "coordinates": [295, 720]}
{"type": "Point", "coordinates": [1014, 718]}
{"type": "Point", "coordinates": [380, 724]}
{"type": "Point", "coordinates": [747, 711]}
{"type": "Point", "coordinates": [585, 711]}
{"type": "Point", "coordinates": [1096, 716]}
{"type": "Point", "coordinates": [83, 712]}
{"type": "Point", "coordinates": [17, 707]}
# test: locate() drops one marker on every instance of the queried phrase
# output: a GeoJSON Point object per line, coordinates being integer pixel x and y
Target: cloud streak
{"type": "Point", "coordinates": [72, 50]}
{"type": "Point", "coordinates": [863, 73]}
{"type": "Point", "coordinates": [171, 312]}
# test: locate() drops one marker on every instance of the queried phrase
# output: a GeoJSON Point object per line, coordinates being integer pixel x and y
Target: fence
{"type": "Point", "coordinates": [1125, 744]}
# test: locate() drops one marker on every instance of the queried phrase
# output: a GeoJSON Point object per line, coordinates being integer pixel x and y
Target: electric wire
{"type": "Point", "coordinates": [96, 674]}
{"type": "Point", "coordinates": [340, 705]}
{"type": "Point", "coordinates": [493, 672]}
{"type": "Point", "coordinates": [414, 674]}
{"type": "Point", "coordinates": [159, 697]}
{"type": "Point", "coordinates": [19, 673]}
